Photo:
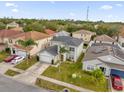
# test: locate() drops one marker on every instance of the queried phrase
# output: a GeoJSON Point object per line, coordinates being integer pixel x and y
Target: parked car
{"type": "Point", "coordinates": [17, 60]}
{"type": "Point", "coordinates": [10, 58]}
{"type": "Point", "coordinates": [116, 82]}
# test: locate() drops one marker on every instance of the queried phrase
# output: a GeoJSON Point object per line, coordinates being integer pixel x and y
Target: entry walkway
{"type": "Point", "coordinates": [65, 84]}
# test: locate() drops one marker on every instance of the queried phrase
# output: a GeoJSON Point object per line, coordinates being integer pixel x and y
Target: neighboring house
{"type": "Point", "coordinates": [84, 34]}
{"type": "Point", "coordinates": [104, 39]}
{"type": "Point", "coordinates": [12, 25]}
{"type": "Point", "coordinates": [2, 47]}
{"type": "Point", "coordinates": [5, 35]}
{"type": "Point", "coordinates": [107, 57]}
{"type": "Point", "coordinates": [49, 32]}
{"type": "Point", "coordinates": [49, 55]}
{"type": "Point", "coordinates": [62, 33]}
{"type": "Point", "coordinates": [73, 45]}
{"type": "Point", "coordinates": [121, 39]}
{"type": "Point", "coordinates": [42, 40]}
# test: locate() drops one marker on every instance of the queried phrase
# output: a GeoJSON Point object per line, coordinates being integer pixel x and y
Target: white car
{"type": "Point", "coordinates": [17, 59]}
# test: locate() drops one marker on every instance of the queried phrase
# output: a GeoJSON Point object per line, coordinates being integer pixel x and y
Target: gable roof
{"type": "Point", "coordinates": [31, 35]}
{"type": "Point", "coordinates": [84, 32]}
{"type": "Point", "coordinates": [104, 38]}
{"type": "Point", "coordinates": [49, 32]}
{"type": "Point", "coordinates": [52, 50]}
{"type": "Point", "coordinates": [62, 33]}
{"type": "Point", "coordinates": [68, 40]}
{"type": "Point", "coordinates": [9, 33]}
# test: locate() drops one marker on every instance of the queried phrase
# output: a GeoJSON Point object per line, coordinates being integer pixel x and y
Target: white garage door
{"type": "Point", "coordinates": [21, 53]}
{"type": "Point", "coordinates": [44, 58]}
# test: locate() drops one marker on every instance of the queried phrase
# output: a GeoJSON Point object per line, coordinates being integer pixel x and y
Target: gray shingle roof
{"type": "Point", "coordinates": [52, 50]}
{"type": "Point", "coordinates": [68, 40]}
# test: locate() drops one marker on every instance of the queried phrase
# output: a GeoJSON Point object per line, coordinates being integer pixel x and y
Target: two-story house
{"type": "Point", "coordinates": [85, 35]}
{"type": "Point", "coordinates": [73, 45]}
{"type": "Point", "coordinates": [42, 40]}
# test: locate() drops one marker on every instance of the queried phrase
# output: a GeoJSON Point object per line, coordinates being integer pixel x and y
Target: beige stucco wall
{"type": "Point", "coordinates": [85, 37]}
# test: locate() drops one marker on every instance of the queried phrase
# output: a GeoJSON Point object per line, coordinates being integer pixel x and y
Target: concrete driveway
{"type": "Point", "coordinates": [9, 85]}
{"type": "Point", "coordinates": [4, 67]}
{"type": "Point", "coordinates": [30, 75]}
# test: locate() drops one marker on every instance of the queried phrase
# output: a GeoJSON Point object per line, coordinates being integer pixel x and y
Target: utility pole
{"type": "Point", "coordinates": [87, 16]}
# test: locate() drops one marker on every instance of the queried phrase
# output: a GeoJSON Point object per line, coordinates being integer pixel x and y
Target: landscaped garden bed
{"type": "Point", "coordinates": [11, 72]}
{"type": "Point", "coordinates": [26, 63]}
{"type": "Point", "coordinates": [66, 71]}
{"type": "Point", "coordinates": [51, 86]}
{"type": "Point", "coordinates": [3, 55]}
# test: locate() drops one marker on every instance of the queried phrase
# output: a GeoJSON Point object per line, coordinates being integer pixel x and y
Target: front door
{"type": "Point", "coordinates": [103, 69]}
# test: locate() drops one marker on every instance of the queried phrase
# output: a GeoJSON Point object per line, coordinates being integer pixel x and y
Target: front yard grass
{"type": "Point", "coordinates": [51, 86]}
{"type": "Point", "coordinates": [83, 78]}
{"type": "Point", "coordinates": [3, 55]}
{"type": "Point", "coordinates": [26, 63]}
{"type": "Point", "coordinates": [11, 73]}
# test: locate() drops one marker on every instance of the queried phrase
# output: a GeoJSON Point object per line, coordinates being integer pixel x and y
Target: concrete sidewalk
{"type": "Point", "coordinates": [65, 84]}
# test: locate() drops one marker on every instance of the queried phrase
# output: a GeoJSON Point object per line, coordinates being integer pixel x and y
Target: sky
{"type": "Point", "coordinates": [109, 11]}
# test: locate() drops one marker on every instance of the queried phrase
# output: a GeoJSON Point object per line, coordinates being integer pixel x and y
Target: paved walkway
{"type": "Point", "coordinates": [30, 75]}
{"type": "Point", "coordinates": [65, 84]}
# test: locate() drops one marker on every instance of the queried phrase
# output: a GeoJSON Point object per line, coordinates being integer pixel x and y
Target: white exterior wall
{"type": "Point", "coordinates": [96, 64]}
{"type": "Point", "coordinates": [76, 53]}
{"type": "Point", "coordinates": [49, 56]}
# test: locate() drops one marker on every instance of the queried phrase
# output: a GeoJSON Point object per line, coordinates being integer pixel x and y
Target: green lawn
{"type": "Point", "coordinates": [3, 55]}
{"type": "Point", "coordinates": [11, 73]}
{"type": "Point", "coordinates": [83, 78]}
{"type": "Point", "coordinates": [51, 86]}
{"type": "Point", "coordinates": [26, 63]}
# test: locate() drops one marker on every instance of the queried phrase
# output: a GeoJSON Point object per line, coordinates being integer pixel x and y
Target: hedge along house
{"type": "Point", "coordinates": [42, 40]}
{"type": "Point", "coordinates": [107, 57]}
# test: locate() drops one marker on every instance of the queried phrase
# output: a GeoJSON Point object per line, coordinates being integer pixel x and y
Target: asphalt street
{"type": "Point", "coordinates": [9, 85]}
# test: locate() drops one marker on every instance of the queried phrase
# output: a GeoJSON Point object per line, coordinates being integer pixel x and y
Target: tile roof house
{"type": "Point", "coordinates": [49, 32]}
{"type": "Point", "coordinates": [74, 45]}
{"type": "Point", "coordinates": [84, 34]}
{"type": "Point", "coordinates": [5, 35]}
{"type": "Point", "coordinates": [107, 57]}
{"type": "Point", "coordinates": [104, 39]}
{"type": "Point", "coordinates": [12, 25]}
{"type": "Point", "coordinates": [42, 40]}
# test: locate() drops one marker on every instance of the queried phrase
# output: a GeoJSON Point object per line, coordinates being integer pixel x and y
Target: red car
{"type": "Point", "coordinates": [117, 83]}
{"type": "Point", "coordinates": [10, 58]}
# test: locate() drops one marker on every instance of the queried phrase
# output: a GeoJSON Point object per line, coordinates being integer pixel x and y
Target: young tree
{"type": "Point", "coordinates": [26, 44]}
{"type": "Point", "coordinates": [61, 52]}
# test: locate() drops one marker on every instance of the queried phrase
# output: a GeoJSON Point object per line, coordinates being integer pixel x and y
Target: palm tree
{"type": "Point", "coordinates": [26, 44]}
{"type": "Point", "coordinates": [61, 52]}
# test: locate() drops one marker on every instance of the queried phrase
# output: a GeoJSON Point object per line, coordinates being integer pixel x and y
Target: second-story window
{"type": "Point", "coordinates": [72, 49]}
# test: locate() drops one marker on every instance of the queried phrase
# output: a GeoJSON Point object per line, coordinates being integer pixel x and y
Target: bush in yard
{"type": "Point", "coordinates": [98, 74]}
{"type": "Point", "coordinates": [7, 50]}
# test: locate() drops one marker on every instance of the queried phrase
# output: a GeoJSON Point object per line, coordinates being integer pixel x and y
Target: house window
{"type": "Point", "coordinates": [10, 41]}
{"type": "Point", "coordinates": [122, 44]}
{"type": "Point", "coordinates": [71, 49]}
{"type": "Point", "coordinates": [90, 67]}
